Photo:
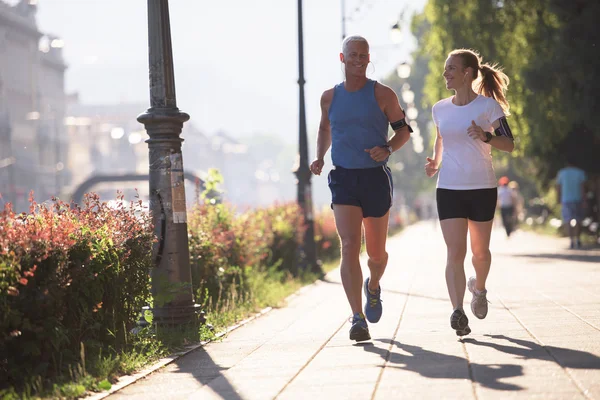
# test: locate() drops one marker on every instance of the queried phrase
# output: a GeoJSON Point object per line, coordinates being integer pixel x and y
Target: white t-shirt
{"type": "Point", "coordinates": [466, 162]}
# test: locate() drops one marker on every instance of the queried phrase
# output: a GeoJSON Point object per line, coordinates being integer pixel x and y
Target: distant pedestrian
{"type": "Point", "coordinates": [570, 184]}
{"type": "Point", "coordinates": [355, 117]}
{"type": "Point", "coordinates": [519, 203]}
{"type": "Point", "coordinates": [507, 202]}
{"type": "Point", "coordinates": [468, 125]}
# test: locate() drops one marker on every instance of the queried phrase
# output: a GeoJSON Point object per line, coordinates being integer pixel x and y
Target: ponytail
{"type": "Point", "coordinates": [494, 84]}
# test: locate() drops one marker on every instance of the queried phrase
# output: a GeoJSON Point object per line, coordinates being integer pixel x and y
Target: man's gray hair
{"type": "Point", "coordinates": [350, 39]}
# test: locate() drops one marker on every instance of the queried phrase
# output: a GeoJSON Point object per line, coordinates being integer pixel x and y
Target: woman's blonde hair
{"type": "Point", "coordinates": [493, 83]}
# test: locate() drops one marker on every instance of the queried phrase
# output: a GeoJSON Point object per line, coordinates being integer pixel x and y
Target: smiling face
{"type": "Point", "coordinates": [356, 58]}
{"type": "Point", "coordinates": [455, 74]}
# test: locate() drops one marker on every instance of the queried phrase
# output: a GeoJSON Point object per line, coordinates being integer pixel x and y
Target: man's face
{"type": "Point", "coordinates": [356, 58]}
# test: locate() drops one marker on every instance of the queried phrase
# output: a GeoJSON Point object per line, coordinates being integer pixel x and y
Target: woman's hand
{"type": "Point", "coordinates": [431, 168]}
{"type": "Point", "coordinates": [475, 132]}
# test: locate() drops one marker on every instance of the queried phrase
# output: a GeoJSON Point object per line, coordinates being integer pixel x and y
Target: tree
{"type": "Point", "coordinates": [549, 50]}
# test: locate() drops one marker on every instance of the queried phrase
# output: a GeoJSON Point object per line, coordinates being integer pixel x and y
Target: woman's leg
{"type": "Point", "coordinates": [454, 231]}
{"type": "Point", "coordinates": [480, 233]}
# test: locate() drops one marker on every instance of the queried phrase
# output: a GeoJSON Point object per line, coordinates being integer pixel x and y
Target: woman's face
{"type": "Point", "coordinates": [356, 58]}
{"type": "Point", "coordinates": [455, 74]}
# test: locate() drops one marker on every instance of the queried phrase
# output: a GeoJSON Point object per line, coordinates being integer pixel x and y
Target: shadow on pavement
{"type": "Point", "coordinates": [583, 257]}
{"type": "Point", "coordinates": [412, 294]}
{"type": "Point", "coordinates": [433, 365]}
{"type": "Point", "coordinates": [202, 367]}
{"type": "Point", "coordinates": [567, 358]}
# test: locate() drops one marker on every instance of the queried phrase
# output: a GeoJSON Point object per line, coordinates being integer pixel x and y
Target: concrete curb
{"type": "Point", "coordinates": [127, 380]}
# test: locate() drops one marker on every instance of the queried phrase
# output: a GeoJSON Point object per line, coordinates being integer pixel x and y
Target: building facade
{"type": "Point", "coordinates": [33, 144]}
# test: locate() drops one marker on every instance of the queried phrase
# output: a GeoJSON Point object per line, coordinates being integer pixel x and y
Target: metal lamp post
{"type": "Point", "coordinates": [308, 253]}
{"type": "Point", "coordinates": [171, 275]}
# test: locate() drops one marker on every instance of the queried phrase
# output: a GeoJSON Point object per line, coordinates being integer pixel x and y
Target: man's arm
{"type": "Point", "coordinates": [324, 133]}
{"type": "Point", "coordinates": [388, 102]}
{"type": "Point", "coordinates": [394, 113]}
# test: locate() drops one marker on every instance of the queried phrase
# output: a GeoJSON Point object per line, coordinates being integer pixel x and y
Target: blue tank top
{"type": "Point", "coordinates": [357, 123]}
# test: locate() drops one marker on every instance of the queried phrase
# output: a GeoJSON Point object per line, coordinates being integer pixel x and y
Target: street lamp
{"type": "Point", "coordinates": [343, 6]}
{"type": "Point", "coordinates": [308, 253]}
{"type": "Point", "coordinates": [403, 70]}
{"type": "Point", "coordinates": [171, 275]}
{"type": "Point", "coordinates": [396, 33]}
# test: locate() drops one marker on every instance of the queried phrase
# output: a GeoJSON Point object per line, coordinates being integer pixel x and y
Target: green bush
{"type": "Point", "coordinates": [73, 281]}
{"type": "Point", "coordinates": [225, 248]}
{"type": "Point", "coordinates": [69, 276]}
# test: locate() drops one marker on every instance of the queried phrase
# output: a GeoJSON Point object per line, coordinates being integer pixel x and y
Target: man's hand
{"type": "Point", "coordinates": [378, 153]}
{"type": "Point", "coordinates": [317, 166]}
{"type": "Point", "coordinates": [475, 132]}
{"type": "Point", "coordinates": [431, 168]}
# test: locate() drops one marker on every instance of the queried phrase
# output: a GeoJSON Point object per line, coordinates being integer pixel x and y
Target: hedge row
{"type": "Point", "coordinates": [81, 275]}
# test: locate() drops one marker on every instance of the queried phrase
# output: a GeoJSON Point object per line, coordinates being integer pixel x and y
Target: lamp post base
{"type": "Point", "coordinates": [172, 315]}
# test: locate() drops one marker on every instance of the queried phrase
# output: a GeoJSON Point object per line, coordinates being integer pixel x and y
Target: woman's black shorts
{"type": "Point", "coordinates": [476, 204]}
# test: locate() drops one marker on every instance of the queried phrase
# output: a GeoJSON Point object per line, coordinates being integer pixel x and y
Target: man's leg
{"type": "Point", "coordinates": [579, 213]}
{"type": "Point", "coordinates": [348, 221]}
{"type": "Point", "coordinates": [376, 230]}
{"type": "Point", "coordinates": [569, 219]}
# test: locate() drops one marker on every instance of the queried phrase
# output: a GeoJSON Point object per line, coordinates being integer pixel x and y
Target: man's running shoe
{"type": "Point", "coordinates": [460, 323]}
{"type": "Point", "coordinates": [479, 303]}
{"type": "Point", "coordinates": [373, 307]}
{"type": "Point", "coordinates": [359, 330]}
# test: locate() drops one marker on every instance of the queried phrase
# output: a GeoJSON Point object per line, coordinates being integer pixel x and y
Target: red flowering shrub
{"type": "Point", "coordinates": [225, 248]}
{"type": "Point", "coordinates": [326, 237]}
{"type": "Point", "coordinates": [67, 276]}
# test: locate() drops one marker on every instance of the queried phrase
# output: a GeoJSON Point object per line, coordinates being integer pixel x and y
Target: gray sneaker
{"type": "Point", "coordinates": [479, 303]}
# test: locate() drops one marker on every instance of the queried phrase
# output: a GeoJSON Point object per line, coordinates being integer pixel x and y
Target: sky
{"type": "Point", "coordinates": [236, 61]}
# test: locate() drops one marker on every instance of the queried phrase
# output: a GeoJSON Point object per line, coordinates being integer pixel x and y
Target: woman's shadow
{"type": "Point", "coordinates": [435, 365]}
{"type": "Point", "coordinates": [526, 349]}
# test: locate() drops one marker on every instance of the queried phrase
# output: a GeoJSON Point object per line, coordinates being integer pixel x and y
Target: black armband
{"type": "Point", "coordinates": [400, 124]}
{"type": "Point", "coordinates": [503, 129]}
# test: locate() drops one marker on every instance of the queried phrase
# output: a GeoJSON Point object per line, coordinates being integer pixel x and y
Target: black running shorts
{"type": "Point", "coordinates": [369, 188]}
{"type": "Point", "coordinates": [476, 204]}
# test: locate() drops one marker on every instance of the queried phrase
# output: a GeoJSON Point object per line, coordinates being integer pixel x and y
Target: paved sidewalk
{"type": "Point", "coordinates": [540, 340]}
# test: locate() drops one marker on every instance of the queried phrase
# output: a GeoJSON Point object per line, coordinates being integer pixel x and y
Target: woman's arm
{"type": "Point", "coordinates": [502, 140]}
{"type": "Point", "coordinates": [433, 163]}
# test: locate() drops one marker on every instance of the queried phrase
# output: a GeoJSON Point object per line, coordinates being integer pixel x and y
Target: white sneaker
{"type": "Point", "coordinates": [479, 303]}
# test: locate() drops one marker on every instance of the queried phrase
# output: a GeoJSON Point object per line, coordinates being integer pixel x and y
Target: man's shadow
{"type": "Point", "coordinates": [435, 365]}
{"type": "Point", "coordinates": [526, 349]}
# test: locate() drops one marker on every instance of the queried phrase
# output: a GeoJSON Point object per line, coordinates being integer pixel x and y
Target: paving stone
{"type": "Point", "coordinates": [540, 340]}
